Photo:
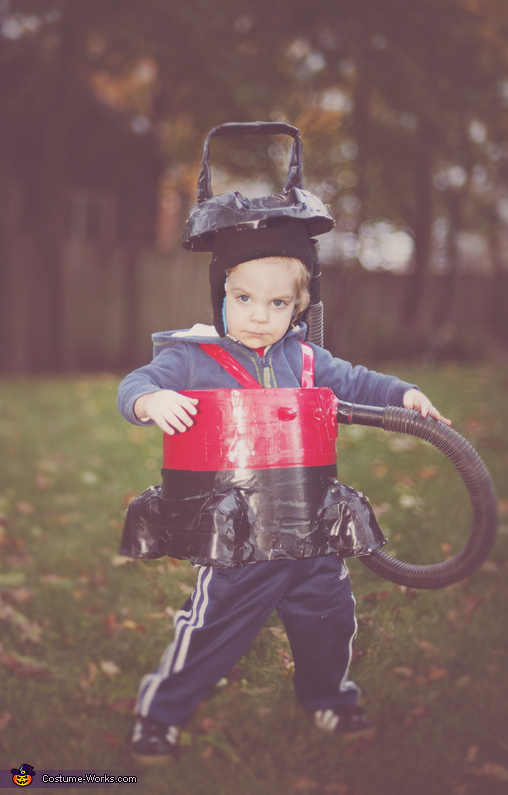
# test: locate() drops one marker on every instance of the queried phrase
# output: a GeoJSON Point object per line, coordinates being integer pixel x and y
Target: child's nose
{"type": "Point", "coordinates": [260, 313]}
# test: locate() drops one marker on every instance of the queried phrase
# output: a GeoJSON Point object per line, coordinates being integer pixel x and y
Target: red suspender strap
{"type": "Point", "coordinates": [230, 364]}
{"type": "Point", "coordinates": [307, 366]}
{"type": "Point", "coordinates": [235, 369]}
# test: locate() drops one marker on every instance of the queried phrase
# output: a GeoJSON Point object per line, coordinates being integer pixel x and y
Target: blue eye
{"type": "Point", "coordinates": [243, 298]}
{"type": "Point", "coordinates": [279, 302]}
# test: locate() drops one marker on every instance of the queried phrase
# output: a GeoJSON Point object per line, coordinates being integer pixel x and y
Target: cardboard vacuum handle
{"type": "Point", "coordinates": [294, 178]}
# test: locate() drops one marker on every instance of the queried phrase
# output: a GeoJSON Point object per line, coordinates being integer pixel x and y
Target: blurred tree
{"type": "Point", "coordinates": [384, 91]}
{"type": "Point", "coordinates": [148, 62]}
{"type": "Point", "coordinates": [417, 75]}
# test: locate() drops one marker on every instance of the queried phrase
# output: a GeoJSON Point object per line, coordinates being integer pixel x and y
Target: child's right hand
{"type": "Point", "coordinates": [170, 410]}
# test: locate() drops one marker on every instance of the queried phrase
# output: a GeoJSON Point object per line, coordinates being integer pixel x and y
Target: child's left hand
{"type": "Point", "coordinates": [413, 399]}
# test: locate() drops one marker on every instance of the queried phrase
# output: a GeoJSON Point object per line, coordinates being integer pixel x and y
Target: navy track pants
{"type": "Point", "coordinates": [228, 608]}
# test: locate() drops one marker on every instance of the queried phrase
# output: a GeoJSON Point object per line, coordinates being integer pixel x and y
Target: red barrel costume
{"type": "Point", "coordinates": [253, 479]}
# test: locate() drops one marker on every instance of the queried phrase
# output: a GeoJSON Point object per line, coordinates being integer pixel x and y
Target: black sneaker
{"type": "Point", "coordinates": [346, 720]}
{"type": "Point", "coordinates": [153, 742]}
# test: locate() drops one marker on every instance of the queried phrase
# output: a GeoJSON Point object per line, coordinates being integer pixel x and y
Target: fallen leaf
{"type": "Point", "coordinates": [362, 743]}
{"type": "Point", "coordinates": [89, 478]}
{"type": "Point", "coordinates": [435, 672]}
{"type": "Point", "coordinates": [407, 500]}
{"type": "Point", "coordinates": [453, 617]}
{"type": "Point", "coordinates": [17, 544]}
{"type": "Point", "coordinates": [18, 595]}
{"type": "Point", "coordinates": [128, 497]}
{"type": "Point", "coordinates": [415, 715]}
{"type": "Point", "coordinates": [491, 770]}
{"type": "Point", "coordinates": [109, 667]}
{"type": "Point", "coordinates": [404, 671]}
{"type": "Point", "coordinates": [110, 623]}
{"type": "Point", "coordinates": [490, 567]}
{"type": "Point", "coordinates": [304, 783]}
{"type": "Point", "coordinates": [49, 465]}
{"type": "Point", "coordinates": [220, 741]}
{"type": "Point", "coordinates": [111, 739]}
{"type": "Point", "coordinates": [427, 472]}
{"type": "Point", "coordinates": [277, 631]}
{"type": "Point", "coordinates": [25, 507]}
{"type": "Point", "coordinates": [428, 648]}
{"type": "Point", "coordinates": [121, 560]}
{"type": "Point", "coordinates": [475, 427]}
{"type": "Point", "coordinates": [136, 435]}
{"type": "Point", "coordinates": [207, 724]}
{"type": "Point", "coordinates": [128, 623]}
{"type": "Point", "coordinates": [67, 518]}
{"type": "Point", "coordinates": [375, 596]}
{"type": "Point", "coordinates": [42, 481]}
{"type": "Point", "coordinates": [23, 666]}
{"type": "Point", "coordinates": [123, 705]}
{"type": "Point", "coordinates": [401, 443]}
{"type": "Point", "coordinates": [286, 659]}
{"type": "Point", "coordinates": [409, 592]}
{"type": "Point", "coordinates": [470, 603]}
{"type": "Point", "coordinates": [379, 510]}
{"type": "Point", "coordinates": [54, 579]}
{"type": "Point", "coordinates": [18, 561]}
{"type": "Point", "coordinates": [91, 677]}
{"type": "Point", "coordinates": [28, 630]}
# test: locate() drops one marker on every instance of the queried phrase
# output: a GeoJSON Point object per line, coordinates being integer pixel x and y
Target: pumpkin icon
{"type": "Point", "coordinates": [23, 776]}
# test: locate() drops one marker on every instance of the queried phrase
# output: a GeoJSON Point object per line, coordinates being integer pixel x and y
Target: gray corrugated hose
{"type": "Point", "coordinates": [476, 478]}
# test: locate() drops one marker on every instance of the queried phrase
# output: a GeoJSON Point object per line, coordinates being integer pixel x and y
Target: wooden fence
{"type": "Point", "coordinates": [364, 312]}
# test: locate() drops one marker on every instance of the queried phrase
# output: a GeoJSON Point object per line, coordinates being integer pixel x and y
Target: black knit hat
{"type": "Point", "coordinates": [287, 238]}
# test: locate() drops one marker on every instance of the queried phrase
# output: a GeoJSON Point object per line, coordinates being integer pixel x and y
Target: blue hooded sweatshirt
{"type": "Point", "coordinates": [180, 364]}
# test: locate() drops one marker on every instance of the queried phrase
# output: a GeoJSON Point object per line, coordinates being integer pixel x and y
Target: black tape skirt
{"type": "Point", "coordinates": [230, 518]}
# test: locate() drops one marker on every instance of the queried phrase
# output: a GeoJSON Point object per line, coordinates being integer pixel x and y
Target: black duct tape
{"type": "Point", "coordinates": [230, 518]}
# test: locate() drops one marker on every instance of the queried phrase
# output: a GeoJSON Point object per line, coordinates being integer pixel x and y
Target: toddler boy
{"type": "Point", "coordinates": [259, 279]}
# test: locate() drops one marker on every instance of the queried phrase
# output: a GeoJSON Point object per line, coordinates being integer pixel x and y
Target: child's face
{"type": "Point", "coordinates": [260, 298]}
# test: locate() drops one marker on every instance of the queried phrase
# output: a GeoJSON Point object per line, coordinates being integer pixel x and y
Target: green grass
{"type": "Point", "coordinates": [78, 629]}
